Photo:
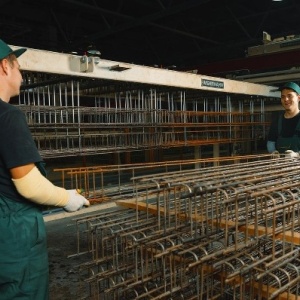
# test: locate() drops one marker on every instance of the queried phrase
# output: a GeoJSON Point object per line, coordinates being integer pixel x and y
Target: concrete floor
{"type": "Point", "coordinates": [65, 283]}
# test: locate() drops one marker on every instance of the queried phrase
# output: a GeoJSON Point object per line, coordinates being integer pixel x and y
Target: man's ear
{"type": "Point", "coordinates": [4, 65]}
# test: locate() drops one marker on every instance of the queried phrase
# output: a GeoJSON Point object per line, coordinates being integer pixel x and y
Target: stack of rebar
{"type": "Point", "coordinates": [223, 232]}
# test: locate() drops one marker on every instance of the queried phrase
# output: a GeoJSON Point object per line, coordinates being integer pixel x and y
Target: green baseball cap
{"type": "Point", "coordinates": [292, 86]}
{"type": "Point", "coordinates": [5, 50]}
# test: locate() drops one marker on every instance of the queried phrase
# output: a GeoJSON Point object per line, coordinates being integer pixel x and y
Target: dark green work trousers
{"type": "Point", "coordinates": [24, 273]}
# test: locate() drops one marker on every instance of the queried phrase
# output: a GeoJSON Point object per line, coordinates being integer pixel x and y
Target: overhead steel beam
{"type": "Point", "coordinates": [144, 20]}
{"type": "Point", "coordinates": [74, 65]}
{"type": "Point", "coordinates": [194, 36]}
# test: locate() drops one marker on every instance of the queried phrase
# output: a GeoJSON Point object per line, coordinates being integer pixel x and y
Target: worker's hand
{"type": "Point", "coordinates": [275, 154]}
{"type": "Point", "coordinates": [291, 154]}
{"type": "Point", "coordinates": [76, 201]}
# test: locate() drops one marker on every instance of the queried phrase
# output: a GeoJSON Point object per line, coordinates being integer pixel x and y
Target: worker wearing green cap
{"type": "Point", "coordinates": [24, 190]}
{"type": "Point", "coordinates": [284, 134]}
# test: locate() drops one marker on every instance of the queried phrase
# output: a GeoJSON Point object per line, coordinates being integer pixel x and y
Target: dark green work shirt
{"type": "Point", "coordinates": [285, 133]}
{"type": "Point", "coordinates": [17, 147]}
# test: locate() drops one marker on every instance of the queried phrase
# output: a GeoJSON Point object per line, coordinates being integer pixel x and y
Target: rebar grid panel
{"type": "Point", "coordinates": [225, 231]}
{"type": "Point", "coordinates": [122, 266]}
{"type": "Point", "coordinates": [67, 120]}
{"type": "Point", "coordinates": [264, 273]}
{"type": "Point", "coordinates": [146, 263]}
{"type": "Point", "coordinates": [234, 192]}
{"type": "Point", "coordinates": [112, 182]}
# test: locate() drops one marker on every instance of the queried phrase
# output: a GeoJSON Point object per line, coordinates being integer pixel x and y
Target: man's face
{"type": "Point", "coordinates": [289, 99]}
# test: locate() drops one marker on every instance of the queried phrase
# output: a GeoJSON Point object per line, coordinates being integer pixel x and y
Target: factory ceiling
{"type": "Point", "coordinates": [163, 33]}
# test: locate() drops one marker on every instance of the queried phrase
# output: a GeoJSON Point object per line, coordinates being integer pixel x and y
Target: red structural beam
{"type": "Point", "coordinates": [252, 64]}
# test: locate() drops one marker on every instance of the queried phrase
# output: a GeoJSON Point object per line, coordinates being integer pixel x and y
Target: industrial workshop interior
{"type": "Point", "coordinates": [158, 111]}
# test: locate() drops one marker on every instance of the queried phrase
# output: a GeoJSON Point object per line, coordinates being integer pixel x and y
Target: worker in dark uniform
{"type": "Point", "coordinates": [284, 134]}
{"type": "Point", "coordinates": [23, 191]}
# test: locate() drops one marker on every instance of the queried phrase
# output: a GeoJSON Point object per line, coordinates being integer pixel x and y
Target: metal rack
{"type": "Point", "coordinates": [86, 106]}
{"type": "Point", "coordinates": [128, 126]}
